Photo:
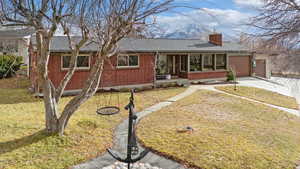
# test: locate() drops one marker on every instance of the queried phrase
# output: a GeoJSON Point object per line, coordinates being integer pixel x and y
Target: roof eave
{"type": "Point", "coordinates": [186, 51]}
{"type": "Point", "coordinates": [164, 51]}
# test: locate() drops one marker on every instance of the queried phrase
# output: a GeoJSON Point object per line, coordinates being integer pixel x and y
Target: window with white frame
{"type": "Point", "coordinates": [208, 61]}
{"type": "Point", "coordinates": [128, 61]}
{"type": "Point", "coordinates": [195, 62]}
{"type": "Point", "coordinates": [83, 61]}
{"type": "Point", "coordinates": [221, 61]}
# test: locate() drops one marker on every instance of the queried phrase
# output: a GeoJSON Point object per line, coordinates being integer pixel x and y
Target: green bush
{"type": "Point", "coordinates": [9, 64]}
{"type": "Point", "coordinates": [231, 75]}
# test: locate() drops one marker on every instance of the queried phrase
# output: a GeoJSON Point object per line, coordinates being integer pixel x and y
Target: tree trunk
{"type": "Point", "coordinates": [50, 108]}
{"type": "Point", "coordinates": [48, 89]}
{"type": "Point", "coordinates": [88, 91]}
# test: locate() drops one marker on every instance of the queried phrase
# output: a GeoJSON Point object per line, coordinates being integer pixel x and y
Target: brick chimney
{"type": "Point", "coordinates": [216, 39]}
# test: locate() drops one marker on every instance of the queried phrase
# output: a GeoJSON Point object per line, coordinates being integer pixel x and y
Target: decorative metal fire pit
{"type": "Point", "coordinates": [132, 147]}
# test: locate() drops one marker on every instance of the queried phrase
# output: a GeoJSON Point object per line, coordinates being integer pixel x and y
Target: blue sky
{"type": "Point", "coordinates": [225, 16]}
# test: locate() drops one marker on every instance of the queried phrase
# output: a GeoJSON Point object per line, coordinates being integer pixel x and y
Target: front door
{"type": "Point", "coordinates": [173, 64]}
{"type": "Point", "coordinates": [176, 65]}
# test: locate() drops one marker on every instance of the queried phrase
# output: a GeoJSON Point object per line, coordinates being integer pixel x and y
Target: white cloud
{"type": "Point", "coordinates": [224, 21]}
{"type": "Point", "coordinates": [249, 3]}
{"type": "Point", "coordinates": [253, 3]}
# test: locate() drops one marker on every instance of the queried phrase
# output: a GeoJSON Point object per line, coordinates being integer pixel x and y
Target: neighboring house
{"type": "Point", "coordinates": [177, 60]}
{"type": "Point", "coordinates": [15, 42]}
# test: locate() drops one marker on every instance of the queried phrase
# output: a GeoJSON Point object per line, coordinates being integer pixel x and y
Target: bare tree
{"type": "Point", "coordinates": [279, 21]}
{"type": "Point", "coordinates": [104, 22]}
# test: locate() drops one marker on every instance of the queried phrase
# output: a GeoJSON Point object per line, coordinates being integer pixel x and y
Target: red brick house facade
{"type": "Point", "coordinates": [135, 65]}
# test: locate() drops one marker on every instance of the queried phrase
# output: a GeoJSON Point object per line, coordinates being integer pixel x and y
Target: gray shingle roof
{"type": "Point", "coordinates": [177, 45]}
{"type": "Point", "coordinates": [60, 44]}
{"type": "Point", "coordinates": [15, 33]}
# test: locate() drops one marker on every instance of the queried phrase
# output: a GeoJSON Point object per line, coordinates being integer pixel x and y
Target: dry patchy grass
{"type": "Point", "coordinates": [229, 133]}
{"type": "Point", "coordinates": [262, 95]}
{"type": "Point", "coordinates": [14, 83]}
{"type": "Point", "coordinates": [24, 144]}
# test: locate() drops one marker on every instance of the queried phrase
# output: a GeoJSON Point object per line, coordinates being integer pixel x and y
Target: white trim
{"type": "Point", "coordinates": [180, 64]}
{"type": "Point", "coordinates": [174, 64]}
{"type": "Point", "coordinates": [127, 67]}
{"type": "Point", "coordinates": [188, 63]}
{"type": "Point", "coordinates": [77, 68]}
{"type": "Point", "coordinates": [215, 61]}
{"type": "Point", "coordinates": [227, 61]}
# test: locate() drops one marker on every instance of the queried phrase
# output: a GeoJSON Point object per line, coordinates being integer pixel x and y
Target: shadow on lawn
{"type": "Point", "coordinates": [12, 145]}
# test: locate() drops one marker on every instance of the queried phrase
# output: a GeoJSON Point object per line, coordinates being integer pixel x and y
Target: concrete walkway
{"type": "Point", "coordinates": [120, 139]}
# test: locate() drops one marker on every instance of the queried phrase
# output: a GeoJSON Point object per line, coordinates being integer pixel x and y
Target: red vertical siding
{"type": "Point", "coordinates": [111, 76]}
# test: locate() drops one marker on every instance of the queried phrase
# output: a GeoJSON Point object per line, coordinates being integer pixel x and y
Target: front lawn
{"type": "Point", "coordinates": [229, 133]}
{"type": "Point", "coordinates": [24, 144]}
{"type": "Point", "coordinates": [262, 95]}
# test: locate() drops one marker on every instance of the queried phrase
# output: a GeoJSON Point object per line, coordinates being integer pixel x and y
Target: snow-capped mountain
{"type": "Point", "coordinates": [189, 31]}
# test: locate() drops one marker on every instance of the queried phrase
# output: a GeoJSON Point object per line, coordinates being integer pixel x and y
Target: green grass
{"type": "Point", "coordinates": [24, 144]}
{"type": "Point", "coordinates": [229, 133]}
{"type": "Point", "coordinates": [262, 95]}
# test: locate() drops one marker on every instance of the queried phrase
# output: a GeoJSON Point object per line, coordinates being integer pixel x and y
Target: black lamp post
{"type": "Point", "coordinates": [132, 147]}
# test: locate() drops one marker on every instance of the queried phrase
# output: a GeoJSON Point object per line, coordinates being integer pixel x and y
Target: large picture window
{"type": "Point", "coordinates": [195, 63]}
{"type": "Point", "coordinates": [221, 61]}
{"type": "Point", "coordinates": [83, 62]}
{"type": "Point", "coordinates": [208, 62]}
{"type": "Point", "coordinates": [128, 61]}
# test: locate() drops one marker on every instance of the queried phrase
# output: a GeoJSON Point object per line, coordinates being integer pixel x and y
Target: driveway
{"type": "Point", "coordinates": [284, 86]}
{"type": "Point", "coordinates": [258, 83]}
{"type": "Point", "coordinates": [292, 84]}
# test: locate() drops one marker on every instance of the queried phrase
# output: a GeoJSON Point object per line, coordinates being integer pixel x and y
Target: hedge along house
{"type": "Point", "coordinates": [148, 62]}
